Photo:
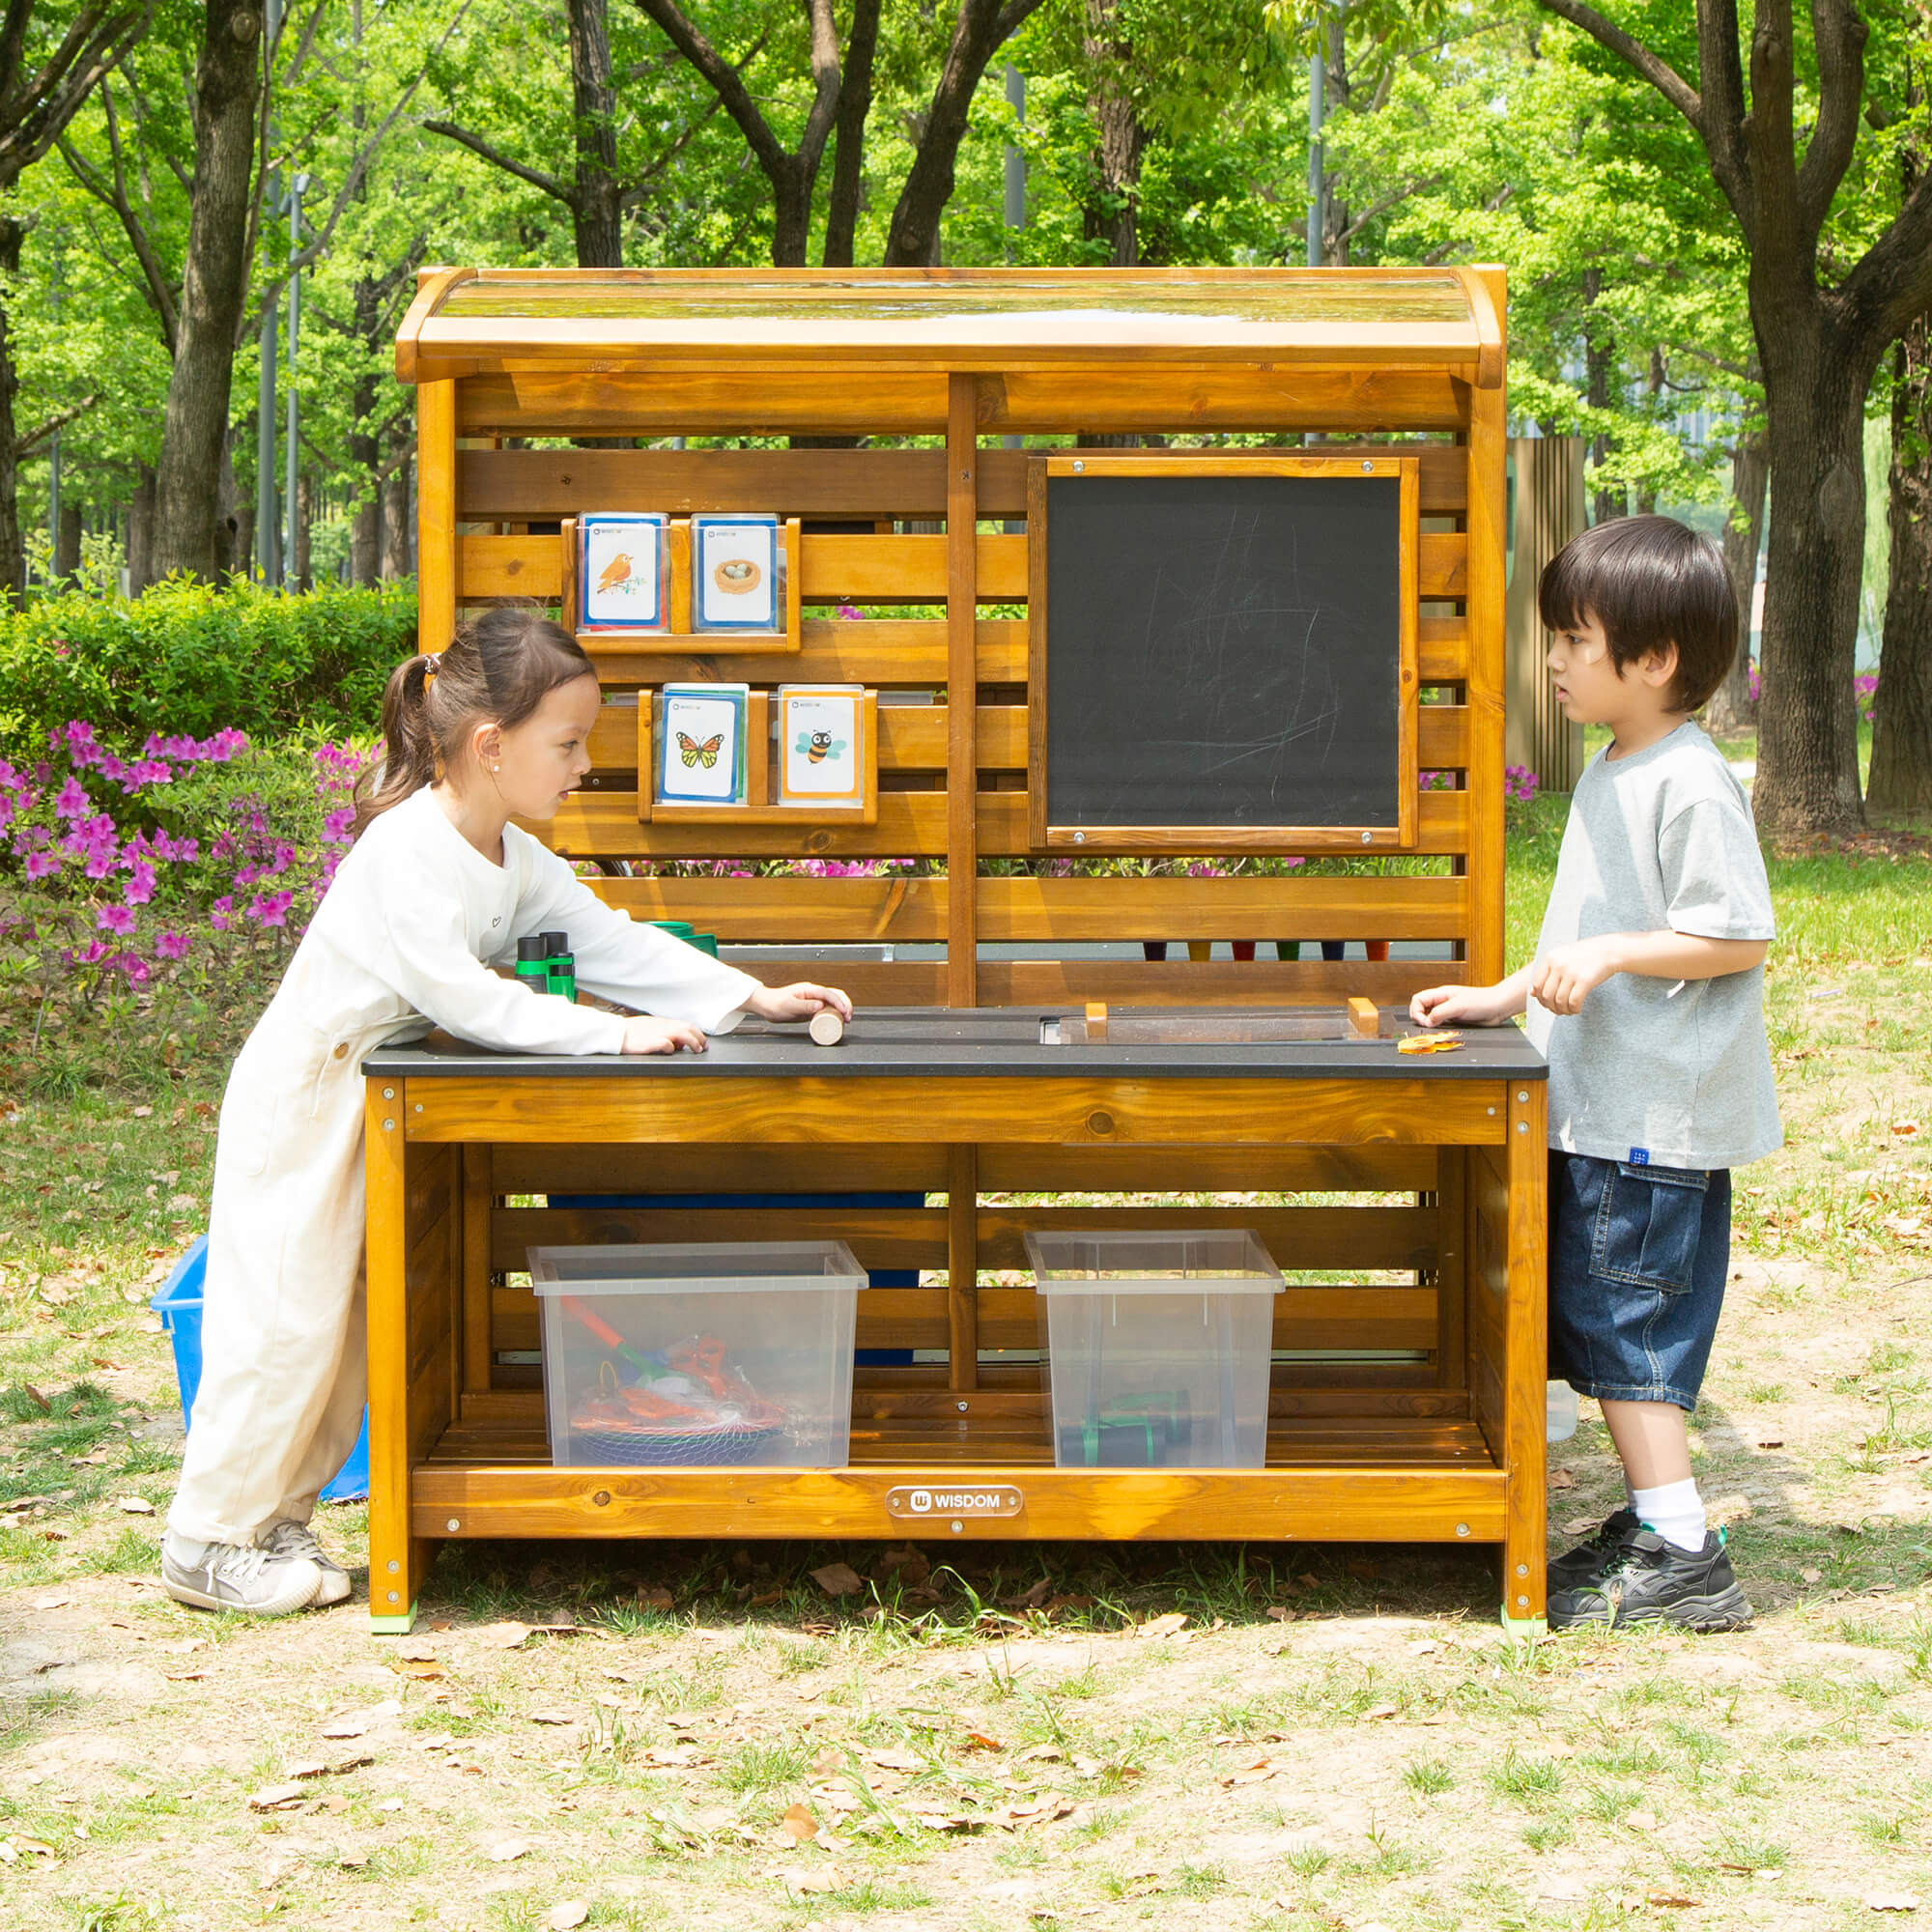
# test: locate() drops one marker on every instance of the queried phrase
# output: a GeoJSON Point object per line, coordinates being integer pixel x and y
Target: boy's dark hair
{"type": "Point", "coordinates": [1649, 582]}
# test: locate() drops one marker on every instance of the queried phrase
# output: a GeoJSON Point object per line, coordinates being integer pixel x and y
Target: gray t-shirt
{"type": "Point", "coordinates": [1651, 1072]}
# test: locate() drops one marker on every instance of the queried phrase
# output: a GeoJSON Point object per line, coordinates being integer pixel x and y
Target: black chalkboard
{"type": "Point", "coordinates": [1224, 651]}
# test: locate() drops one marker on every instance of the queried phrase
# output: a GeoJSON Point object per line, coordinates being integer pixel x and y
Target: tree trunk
{"type": "Point", "coordinates": [848, 161]}
{"type": "Point", "coordinates": [1730, 708]}
{"type": "Point", "coordinates": [1646, 495]}
{"type": "Point", "coordinates": [396, 522]}
{"type": "Point", "coordinates": [791, 213]}
{"type": "Point", "coordinates": [13, 557]}
{"type": "Point", "coordinates": [596, 210]}
{"type": "Point", "coordinates": [67, 563]}
{"type": "Point", "coordinates": [1901, 765]}
{"type": "Point", "coordinates": [1807, 740]}
{"type": "Point", "coordinates": [214, 286]}
{"type": "Point", "coordinates": [231, 548]}
{"type": "Point", "coordinates": [1600, 363]}
{"type": "Point", "coordinates": [141, 531]}
{"type": "Point", "coordinates": [304, 573]}
{"type": "Point", "coordinates": [1112, 215]}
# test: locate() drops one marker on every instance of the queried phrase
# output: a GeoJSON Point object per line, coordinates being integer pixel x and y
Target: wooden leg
{"type": "Point", "coordinates": [962, 1265]}
{"type": "Point", "coordinates": [473, 1320]}
{"type": "Point", "coordinates": [1527, 1361]}
{"type": "Point", "coordinates": [395, 1561]}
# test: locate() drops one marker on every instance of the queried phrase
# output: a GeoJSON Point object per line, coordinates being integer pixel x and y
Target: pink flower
{"type": "Point", "coordinates": [115, 919]}
{"type": "Point", "coordinates": [171, 946]}
{"type": "Point", "coordinates": [42, 865]}
{"type": "Point", "coordinates": [73, 802]}
{"type": "Point", "coordinates": [335, 825]}
{"type": "Point", "coordinates": [270, 908]}
{"type": "Point", "coordinates": [140, 886]}
{"type": "Point", "coordinates": [221, 915]}
{"type": "Point", "coordinates": [134, 967]}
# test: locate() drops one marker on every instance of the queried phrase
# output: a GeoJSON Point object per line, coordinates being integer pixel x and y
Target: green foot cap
{"type": "Point", "coordinates": [393, 1625]}
{"type": "Point", "coordinates": [1526, 1628]}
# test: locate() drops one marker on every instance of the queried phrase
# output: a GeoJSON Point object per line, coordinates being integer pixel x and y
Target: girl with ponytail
{"type": "Point", "coordinates": [436, 890]}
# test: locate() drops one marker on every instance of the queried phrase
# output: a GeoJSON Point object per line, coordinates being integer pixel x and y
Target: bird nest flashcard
{"type": "Point", "coordinates": [701, 745]}
{"type": "Point", "coordinates": [737, 573]}
{"type": "Point", "coordinates": [623, 572]}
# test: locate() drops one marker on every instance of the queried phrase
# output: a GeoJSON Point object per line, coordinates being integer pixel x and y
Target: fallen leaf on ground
{"type": "Point", "coordinates": [1167, 1626]}
{"type": "Point", "coordinates": [506, 1635]}
{"type": "Point", "coordinates": [980, 1741]}
{"type": "Point", "coordinates": [655, 1596]}
{"type": "Point", "coordinates": [356, 1723]}
{"type": "Point", "coordinates": [1811, 1575]}
{"type": "Point", "coordinates": [800, 1823]}
{"type": "Point", "coordinates": [838, 1579]}
{"type": "Point", "coordinates": [1671, 1899]}
{"type": "Point", "coordinates": [425, 1668]}
{"type": "Point", "coordinates": [1561, 1886]}
{"type": "Point", "coordinates": [892, 1760]}
{"type": "Point", "coordinates": [1641, 1820]}
{"type": "Point", "coordinates": [275, 1797]}
{"type": "Point", "coordinates": [828, 1878]}
{"type": "Point", "coordinates": [1376, 1713]}
{"type": "Point", "coordinates": [59, 1600]}
{"type": "Point", "coordinates": [135, 1506]}
{"type": "Point", "coordinates": [1891, 1901]}
{"type": "Point", "coordinates": [552, 1717]}
{"type": "Point", "coordinates": [506, 1849]}
{"type": "Point", "coordinates": [566, 1914]}
{"type": "Point", "coordinates": [416, 1650]}
{"type": "Point", "coordinates": [1560, 1479]}
{"type": "Point", "coordinates": [1579, 1527]}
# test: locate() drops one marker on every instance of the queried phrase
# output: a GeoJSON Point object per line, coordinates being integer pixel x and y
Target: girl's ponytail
{"type": "Point", "coordinates": [501, 669]}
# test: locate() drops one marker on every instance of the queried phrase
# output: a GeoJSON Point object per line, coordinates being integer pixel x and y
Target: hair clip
{"type": "Point", "coordinates": [434, 659]}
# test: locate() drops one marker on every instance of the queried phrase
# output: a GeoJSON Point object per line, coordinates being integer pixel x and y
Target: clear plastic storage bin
{"type": "Point", "coordinates": [700, 1354]}
{"type": "Point", "coordinates": [1157, 1347]}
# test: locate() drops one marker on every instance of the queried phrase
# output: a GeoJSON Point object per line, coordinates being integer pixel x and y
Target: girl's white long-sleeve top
{"type": "Point", "coordinates": [415, 919]}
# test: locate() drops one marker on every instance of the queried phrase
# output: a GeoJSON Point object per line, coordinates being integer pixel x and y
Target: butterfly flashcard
{"type": "Point", "coordinates": [701, 744]}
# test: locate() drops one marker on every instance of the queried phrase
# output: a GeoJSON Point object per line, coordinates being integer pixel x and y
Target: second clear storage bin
{"type": "Point", "coordinates": [699, 1353]}
{"type": "Point", "coordinates": [1157, 1347]}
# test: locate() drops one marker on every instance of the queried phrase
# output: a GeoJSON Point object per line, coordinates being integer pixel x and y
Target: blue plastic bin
{"type": "Point", "coordinates": [179, 1305]}
{"type": "Point", "coordinates": [876, 1277]}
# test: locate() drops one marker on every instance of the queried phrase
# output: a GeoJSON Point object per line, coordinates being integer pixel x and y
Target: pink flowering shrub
{"type": "Point", "coordinates": [1866, 684]}
{"type": "Point", "coordinates": [181, 865]}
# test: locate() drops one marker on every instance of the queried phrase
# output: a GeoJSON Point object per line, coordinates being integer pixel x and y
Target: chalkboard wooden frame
{"type": "Point", "coordinates": [1153, 839]}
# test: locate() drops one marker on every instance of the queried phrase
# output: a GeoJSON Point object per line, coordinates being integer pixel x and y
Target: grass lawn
{"type": "Point", "coordinates": [704, 1737]}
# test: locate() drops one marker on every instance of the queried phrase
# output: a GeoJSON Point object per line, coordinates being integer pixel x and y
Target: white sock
{"type": "Point", "coordinates": [1674, 1510]}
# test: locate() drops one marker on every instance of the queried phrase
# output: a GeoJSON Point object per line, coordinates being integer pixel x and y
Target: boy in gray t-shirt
{"type": "Point", "coordinates": [1647, 997]}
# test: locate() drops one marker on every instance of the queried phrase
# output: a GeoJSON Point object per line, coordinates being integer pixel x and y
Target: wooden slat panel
{"type": "Point", "coordinates": [1295, 1237]}
{"type": "Point", "coordinates": [874, 650]}
{"type": "Point", "coordinates": [1173, 401]}
{"type": "Point", "coordinates": [1063, 1111]}
{"type": "Point", "coordinates": [912, 824]}
{"type": "Point", "coordinates": [751, 1169]}
{"type": "Point", "coordinates": [1344, 1499]}
{"type": "Point", "coordinates": [882, 1238]}
{"type": "Point", "coordinates": [1347, 1316]}
{"type": "Point", "coordinates": [701, 402]}
{"type": "Point", "coordinates": [1442, 737]}
{"type": "Point", "coordinates": [1245, 1170]}
{"type": "Point", "coordinates": [1442, 650]}
{"type": "Point", "coordinates": [515, 486]}
{"type": "Point", "coordinates": [854, 569]}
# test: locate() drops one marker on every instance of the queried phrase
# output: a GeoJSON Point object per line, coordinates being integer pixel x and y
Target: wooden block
{"type": "Point", "coordinates": [1096, 1020]}
{"type": "Point", "coordinates": [678, 540]}
{"type": "Point", "coordinates": [1364, 1018]}
{"type": "Point", "coordinates": [827, 1028]}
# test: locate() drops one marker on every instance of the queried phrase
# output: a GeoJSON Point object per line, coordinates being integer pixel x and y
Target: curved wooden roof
{"type": "Point", "coordinates": [466, 320]}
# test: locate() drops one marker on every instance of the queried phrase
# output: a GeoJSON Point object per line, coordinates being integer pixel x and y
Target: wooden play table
{"type": "Point", "coordinates": [1460, 1460]}
{"type": "Point", "coordinates": [1176, 598]}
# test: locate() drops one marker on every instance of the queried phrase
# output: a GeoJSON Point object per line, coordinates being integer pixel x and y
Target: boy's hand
{"type": "Point", "coordinates": [1564, 978]}
{"type": "Point", "coordinates": [1460, 1006]}
{"type": "Point", "coordinates": [646, 1035]}
{"type": "Point", "coordinates": [798, 1001]}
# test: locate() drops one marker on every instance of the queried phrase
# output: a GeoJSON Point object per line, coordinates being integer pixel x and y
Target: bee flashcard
{"type": "Point", "coordinates": [821, 748]}
{"type": "Point", "coordinates": [737, 573]}
{"type": "Point", "coordinates": [623, 572]}
{"type": "Point", "coordinates": [701, 744]}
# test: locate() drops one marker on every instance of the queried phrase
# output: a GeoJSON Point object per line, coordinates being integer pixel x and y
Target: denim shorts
{"type": "Point", "coordinates": [1639, 1257]}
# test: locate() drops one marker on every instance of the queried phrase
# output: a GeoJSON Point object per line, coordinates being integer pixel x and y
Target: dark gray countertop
{"type": "Point", "coordinates": [888, 1041]}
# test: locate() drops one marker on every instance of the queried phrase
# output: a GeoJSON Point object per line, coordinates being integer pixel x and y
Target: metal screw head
{"type": "Point", "coordinates": [1523, 1126]}
{"type": "Point", "coordinates": [420, 1106]}
{"type": "Point", "coordinates": [958, 1528]}
{"type": "Point", "coordinates": [602, 1498]}
{"type": "Point", "coordinates": [1522, 1603]}
{"type": "Point", "coordinates": [453, 1525]}
{"type": "Point", "coordinates": [394, 1598]}
{"type": "Point", "coordinates": [1078, 467]}
{"type": "Point", "coordinates": [1522, 1093]}
{"type": "Point", "coordinates": [1523, 1569]}
{"type": "Point", "coordinates": [961, 1406]}
{"type": "Point", "coordinates": [1368, 838]}
{"type": "Point", "coordinates": [389, 1092]}
{"type": "Point", "coordinates": [388, 1127]}
{"type": "Point", "coordinates": [392, 1566]}
{"type": "Point", "coordinates": [1491, 1111]}
{"type": "Point", "coordinates": [1461, 1529]}
{"type": "Point", "coordinates": [1080, 839]}
{"type": "Point", "coordinates": [1368, 466]}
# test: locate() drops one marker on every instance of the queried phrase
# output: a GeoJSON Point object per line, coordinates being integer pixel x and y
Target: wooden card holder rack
{"type": "Point", "coordinates": [681, 640]}
{"type": "Point", "coordinates": [761, 806]}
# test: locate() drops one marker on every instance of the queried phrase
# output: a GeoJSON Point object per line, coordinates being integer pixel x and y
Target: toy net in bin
{"type": "Point", "coordinates": [699, 1353]}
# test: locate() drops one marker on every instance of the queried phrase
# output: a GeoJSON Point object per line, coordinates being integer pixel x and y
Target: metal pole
{"type": "Point", "coordinates": [1318, 71]}
{"type": "Point", "coordinates": [267, 550]}
{"type": "Point", "coordinates": [292, 455]}
{"type": "Point", "coordinates": [1015, 156]}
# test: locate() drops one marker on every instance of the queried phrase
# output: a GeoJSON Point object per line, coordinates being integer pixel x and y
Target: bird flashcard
{"type": "Point", "coordinates": [737, 573]}
{"type": "Point", "coordinates": [821, 749]}
{"type": "Point", "coordinates": [622, 571]}
{"type": "Point", "coordinates": [701, 744]}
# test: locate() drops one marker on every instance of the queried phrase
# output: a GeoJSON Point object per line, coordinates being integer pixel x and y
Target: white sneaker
{"type": "Point", "coordinates": [298, 1540]}
{"type": "Point", "coordinates": [234, 1577]}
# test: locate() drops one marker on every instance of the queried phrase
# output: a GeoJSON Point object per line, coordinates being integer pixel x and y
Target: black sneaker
{"type": "Point", "coordinates": [1645, 1577]}
{"type": "Point", "coordinates": [1574, 1566]}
